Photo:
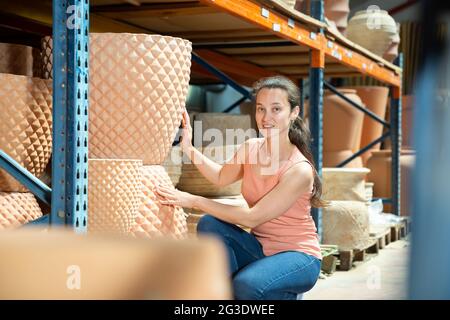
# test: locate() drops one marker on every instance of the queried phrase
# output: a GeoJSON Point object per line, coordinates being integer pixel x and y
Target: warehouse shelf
{"type": "Point", "coordinates": [245, 39]}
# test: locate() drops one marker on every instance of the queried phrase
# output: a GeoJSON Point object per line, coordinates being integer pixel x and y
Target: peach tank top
{"type": "Point", "coordinates": [294, 230]}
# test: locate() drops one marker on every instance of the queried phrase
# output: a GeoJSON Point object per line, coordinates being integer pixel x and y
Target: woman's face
{"type": "Point", "coordinates": [273, 112]}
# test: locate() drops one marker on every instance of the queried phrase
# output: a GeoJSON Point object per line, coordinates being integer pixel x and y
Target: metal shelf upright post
{"type": "Point", "coordinates": [317, 64]}
{"type": "Point", "coordinates": [70, 114]}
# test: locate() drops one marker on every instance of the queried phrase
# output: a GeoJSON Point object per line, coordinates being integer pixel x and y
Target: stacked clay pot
{"type": "Point", "coordinates": [342, 126]}
{"type": "Point", "coordinates": [25, 135]}
{"type": "Point", "coordinates": [346, 220]}
{"type": "Point", "coordinates": [138, 88]}
{"type": "Point", "coordinates": [374, 30]}
{"type": "Point", "coordinates": [380, 164]}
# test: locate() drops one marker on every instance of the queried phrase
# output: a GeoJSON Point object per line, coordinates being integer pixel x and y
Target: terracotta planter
{"type": "Point", "coordinates": [344, 183]}
{"type": "Point", "coordinates": [407, 121]}
{"type": "Point", "coordinates": [336, 11]}
{"type": "Point", "coordinates": [338, 143]}
{"type": "Point", "coordinates": [194, 182]}
{"type": "Point", "coordinates": [17, 208]}
{"type": "Point", "coordinates": [64, 266]}
{"type": "Point", "coordinates": [154, 219]}
{"type": "Point", "coordinates": [380, 175]}
{"type": "Point", "coordinates": [138, 87]}
{"type": "Point", "coordinates": [375, 99]}
{"type": "Point", "coordinates": [19, 60]}
{"type": "Point", "coordinates": [374, 30]}
{"type": "Point", "coordinates": [346, 224]}
{"type": "Point", "coordinates": [115, 195]}
{"type": "Point", "coordinates": [26, 125]}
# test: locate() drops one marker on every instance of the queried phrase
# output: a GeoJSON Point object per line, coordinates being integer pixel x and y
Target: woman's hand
{"type": "Point", "coordinates": [171, 196]}
{"type": "Point", "coordinates": [186, 136]}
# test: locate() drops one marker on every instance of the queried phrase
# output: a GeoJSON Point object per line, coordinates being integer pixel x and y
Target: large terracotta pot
{"type": "Point", "coordinates": [344, 183]}
{"type": "Point", "coordinates": [342, 125]}
{"type": "Point", "coordinates": [17, 208]}
{"type": "Point", "coordinates": [115, 195]}
{"type": "Point", "coordinates": [380, 165]}
{"type": "Point", "coordinates": [154, 219]}
{"type": "Point", "coordinates": [375, 99]}
{"type": "Point", "coordinates": [173, 164]}
{"type": "Point", "coordinates": [138, 88]}
{"type": "Point", "coordinates": [336, 11]}
{"type": "Point", "coordinates": [346, 224]}
{"type": "Point", "coordinates": [25, 126]}
{"type": "Point", "coordinates": [64, 266]}
{"type": "Point", "coordinates": [407, 121]}
{"type": "Point", "coordinates": [19, 59]}
{"type": "Point", "coordinates": [372, 29]}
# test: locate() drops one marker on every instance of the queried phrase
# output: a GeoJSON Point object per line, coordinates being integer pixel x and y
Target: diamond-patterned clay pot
{"type": "Point", "coordinates": [17, 208]}
{"type": "Point", "coordinates": [154, 219]}
{"type": "Point", "coordinates": [138, 87]}
{"type": "Point", "coordinates": [25, 126]}
{"type": "Point", "coordinates": [114, 195]}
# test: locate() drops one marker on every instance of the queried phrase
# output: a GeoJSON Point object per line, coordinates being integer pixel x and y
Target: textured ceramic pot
{"type": "Point", "coordinates": [138, 88]}
{"type": "Point", "coordinates": [392, 50]}
{"type": "Point", "coordinates": [17, 208]}
{"type": "Point", "coordinates": [115, 195]}
{"type": "Point", "coordinates": [375, 99]}
{"type": "Point", "coordinates": [344, 183]}
{"type": "Point", "coordinates": [346, 224]}
{"type": "Point", "coordinates": [25, 126]}
{"type": "Point", "coordinates": [372, 29]}
{"type": "Point", "coordinates": [19, 60]}
{"type": "Point", "coordinates": [154, 219]}
{"type": "Point", "coordinates": [380, 165]}
{"type": "Point", "coordinates": [342, 126]}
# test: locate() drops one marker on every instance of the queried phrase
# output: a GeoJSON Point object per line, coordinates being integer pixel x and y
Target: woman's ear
{"type": "Point", "coordinates": [295, 112]}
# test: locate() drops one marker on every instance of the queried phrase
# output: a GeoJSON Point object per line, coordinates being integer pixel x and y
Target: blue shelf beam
{"type": "Point", "coordinates": [70, 113]}
{"type": "Point", "coordinates": [36, 186]}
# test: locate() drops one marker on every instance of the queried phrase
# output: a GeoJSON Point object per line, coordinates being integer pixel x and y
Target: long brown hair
{"type": "Point", "coordinates": [299, 134]}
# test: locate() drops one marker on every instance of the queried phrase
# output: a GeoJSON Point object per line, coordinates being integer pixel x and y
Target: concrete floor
{"type": "Point", "coordinates": [382, 276]}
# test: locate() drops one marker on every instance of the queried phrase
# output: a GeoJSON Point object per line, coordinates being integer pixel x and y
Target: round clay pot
{"type": "Point", "coordinates": [337, 115]}
{"type": "Point", "coordinates": [344, 183]}
{"type": "Point", "coordinates": [392, 50]}
{"type": "Point", "coordinates": [346, 224]}
{"type": "Point", "coordinates": [407, 121]}
{"type": "Point", "coordinates": [154, 219]}
{"type": "Point", "coordinates": [375, 99]}
{"type": "Point", "coordinates": [25, 126]}
{"type": "Point", "coordinates": [372, 29]}
{"type": "Point", "coordinates": [380, 174]}
{"type": "Point", "coordinates": [115, 195]}
{"type": "Point", "coordinates": [138, 88]}
{"type": "Point", "coordinates": [17, 208]}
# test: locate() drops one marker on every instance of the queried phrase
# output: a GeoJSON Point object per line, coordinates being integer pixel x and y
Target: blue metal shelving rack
{"type": "Point", "coordinates": [68, 195]}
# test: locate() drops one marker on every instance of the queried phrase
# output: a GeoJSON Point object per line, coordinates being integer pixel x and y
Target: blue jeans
{"type": "Point", "coordinates": [258, 277]}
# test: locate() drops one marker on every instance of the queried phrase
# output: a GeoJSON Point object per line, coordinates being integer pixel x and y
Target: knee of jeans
{"type": "Point", "coordinates": [208, 223]}
{"type": "Point", "coordinates": [245, 289]}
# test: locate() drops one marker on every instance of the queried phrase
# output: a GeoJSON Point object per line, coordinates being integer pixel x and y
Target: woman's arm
{"type": "Point", "coordinates": [295, 182]}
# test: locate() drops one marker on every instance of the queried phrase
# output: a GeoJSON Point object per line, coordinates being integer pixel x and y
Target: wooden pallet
{"type": "Point", "coordinates": [382, 234]}
{"type": "Point", "coordinates": [329, 259]}
{"type": "Point", "coordinates": [347, 257]}
{"type": "Point", "coordinates": [400, 229]}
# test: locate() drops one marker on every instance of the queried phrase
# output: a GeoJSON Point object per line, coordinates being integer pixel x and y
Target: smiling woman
{"type": "Point", "coordinates": [280, 258]}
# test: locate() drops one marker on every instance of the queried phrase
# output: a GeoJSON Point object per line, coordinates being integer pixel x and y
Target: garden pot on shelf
{"type": "Point", "coordinates": [138, 88]}
{"type": "Point", "coordinates": [380, 165]}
